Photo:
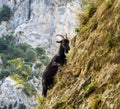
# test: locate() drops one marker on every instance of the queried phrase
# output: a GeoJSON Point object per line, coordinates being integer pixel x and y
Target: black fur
{"type": "Point", "coordinates": [52, 68]}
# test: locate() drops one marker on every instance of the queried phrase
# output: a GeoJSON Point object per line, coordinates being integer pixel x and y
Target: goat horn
{"type": "Point", "coordinates": [66, 36]}
{"type": "Point", "coordinates": [61, 36]}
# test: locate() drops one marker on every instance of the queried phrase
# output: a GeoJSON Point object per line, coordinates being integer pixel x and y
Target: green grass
{"type": "Point", "coordinates": [77, 30]}
{"type": "Point", "coordinates": [60, 104]}
{"type": "Point", "coordinates": [111, 41]}
{"type": "Point", "coordinates": [89, 89]}
{"type": "Point", "coordinates": [91, 9]}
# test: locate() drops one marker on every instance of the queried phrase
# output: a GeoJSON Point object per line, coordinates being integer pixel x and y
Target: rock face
{"type": "Point", "coordinates": [13, 97]}
{"type": "Point", "coordinates": [91, 78]}
{"type": "Point", "coordinates": [38, 21]}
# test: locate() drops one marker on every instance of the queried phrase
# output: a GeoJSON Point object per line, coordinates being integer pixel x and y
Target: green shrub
{"type": "Point", "coordinates": [84, 19]}
{"type": "Point", "coordinates": [108, 4]}
{"type": "Point", "coordinates": [4, 73]}
{"type": "Point", "coordinates": [24, 46]}
{"type": "Point", "coordinates": [77, 30]}
{"type": "Point", "coordinates": [40, 51]}
{"type": "Point", "coordinates": [60, 104]}
{"type": "Point", "coordinates": [6, 41]}
{"type": "Point", "coordinates": [95, 103]}
{"type": "Point", "coordinates": [89, 89]}
{"type": "Point", "coordinates": [91, 9]}
{"type": "Point", "coordinates": [111, 41]}
{"type": "Point", "coordinates": [94, 26]}
{"type": "Point", "coordinates": [29, 89]}
{"type": "Point", "coordinates": [5, 13]}
{"type": "Point", "coordinates": [30, 55]}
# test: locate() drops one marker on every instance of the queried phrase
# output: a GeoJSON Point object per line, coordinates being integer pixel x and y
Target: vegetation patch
{"type": "Point", "coordinates": [60, 104]}
{"type": "Point", "coordinates": [95, 103]}
{"type": "Point", "coordinates": [94, 26]}
{"type": "Point", "coordinates": [91, 9]}
{"type": "Point", "coordinates": [85, 28]}
{"type": "Point", "coordinates": [89, 89]}
{"type": "Point", "coordinates": [29, 89]}
{"type": "Point", "coordinates": [5, 13]}
{"type": "Point", "coordinates": [108, 4]}
{"type": "Point", "coordinates": [83, 19]}
{"type": "Point", "coordinates": [18, 60]}
{"type": "Point", "coordinates": [77, 30]}
{"type": "Point", "coordinates": [111, 41]}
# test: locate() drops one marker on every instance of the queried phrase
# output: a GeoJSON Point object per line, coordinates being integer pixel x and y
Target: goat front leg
{"type": "Point", "coordinates": [65, 61]}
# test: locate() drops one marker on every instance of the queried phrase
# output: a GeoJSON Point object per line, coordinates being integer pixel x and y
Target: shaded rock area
{"type": "Point", "coordinates": [12, 95]}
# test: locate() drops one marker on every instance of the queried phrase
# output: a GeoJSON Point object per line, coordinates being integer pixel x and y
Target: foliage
{"type": "Point", "coordinates": [5, 13]}
{"type": "Point", "coordinates": [59, 104]}
{"type": "Point", "coordinates": [91, 9]}
{"type": "Point", "coordinates": [94, 26]}
{"type": "Point", "coordinates": [19, 67]}
{"type": "Point", "coordinates": [6, 41]}
{"type": "Point", "coordinates": [95, 103]}
{"type": "Point", "coordinates": [110, 41]}
{"type": "Point", "coordinates": [40, 51]}
{"type": "Point", "coordinates": [30, 55]}
{"type": "Point", "coordinates": [108, 4]}
{"type": "Point", "coordinates": [77, 30]}
{"type": "Point", "coordinates": [89, 12]}
{"type": "Point", "coordinates": [29, 89]}
{"type": "Point", "coordinates": [85, 28]}
{"type": "Point", "coordinates": [4, 73]}
{"type": "Point", "coordinates": [84, 19]}
{"type": "Point", "coordinates": [24, 46]}
{"type": "Point", "coordinates": [12, 50]}
{"type": "Point", "coordinates": [40, 99]}
{"type": "Point", "coordinates": [89, 89]}
{"type": "Point", "coordinates": [18, 60]}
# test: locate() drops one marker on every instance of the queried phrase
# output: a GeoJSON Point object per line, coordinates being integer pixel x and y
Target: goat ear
{"type": "Point", "coordinates": [59, 41]}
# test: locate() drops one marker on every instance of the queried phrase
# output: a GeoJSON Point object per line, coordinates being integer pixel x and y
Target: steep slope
{"type": "Point", "coordinates": [91, 78]}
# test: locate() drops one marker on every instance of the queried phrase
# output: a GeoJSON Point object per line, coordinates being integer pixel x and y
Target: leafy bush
{"type": "Point", "coordinates": [29, 90]}
{"type": "Point", "coordinates": [18, 60]}
{"type": "Point", "coordinates": [111, 41]}
{"type": "Point", "coordinates": [5, 13]}
{"type": "Point", "coordinates": [24, 46]}
{"type": "Point", "coordinates": [30, 55]}
{"type": "Point", "coordinates": [94, 26]}
{"type": "Point", "coordinates": [89, 89]}
{"type": "Point", "coordinates": [4, 73]}
{"type": "Point", "coordinates": [84, 19]}
{"type": "Point", "coordinates": [108, 4]}
{"type": "Point", "coordinates": [91, 9]}
{"type": "Point", "coordinates": [40, 51]}
{"type": "Point", "coordinates": [77, 30]}
{"type": "Point", "coordinates": [6, 41]}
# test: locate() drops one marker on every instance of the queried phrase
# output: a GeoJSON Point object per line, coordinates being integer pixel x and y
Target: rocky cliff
{"type": "Point", "coordinates": [38, 21]}
{"type": "Point", "coordinates": [91, 78]}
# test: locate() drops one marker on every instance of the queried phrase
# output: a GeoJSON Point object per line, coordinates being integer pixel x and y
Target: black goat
{"type": "Point", "coordinates": [52, 68]}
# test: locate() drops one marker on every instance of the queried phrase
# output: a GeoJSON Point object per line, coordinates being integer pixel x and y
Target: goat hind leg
{"type": "Point", "coordinates": [44, 91]}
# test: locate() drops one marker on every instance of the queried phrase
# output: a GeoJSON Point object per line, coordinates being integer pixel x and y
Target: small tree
{"type": "Point", "coordinates": [5, 13]}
